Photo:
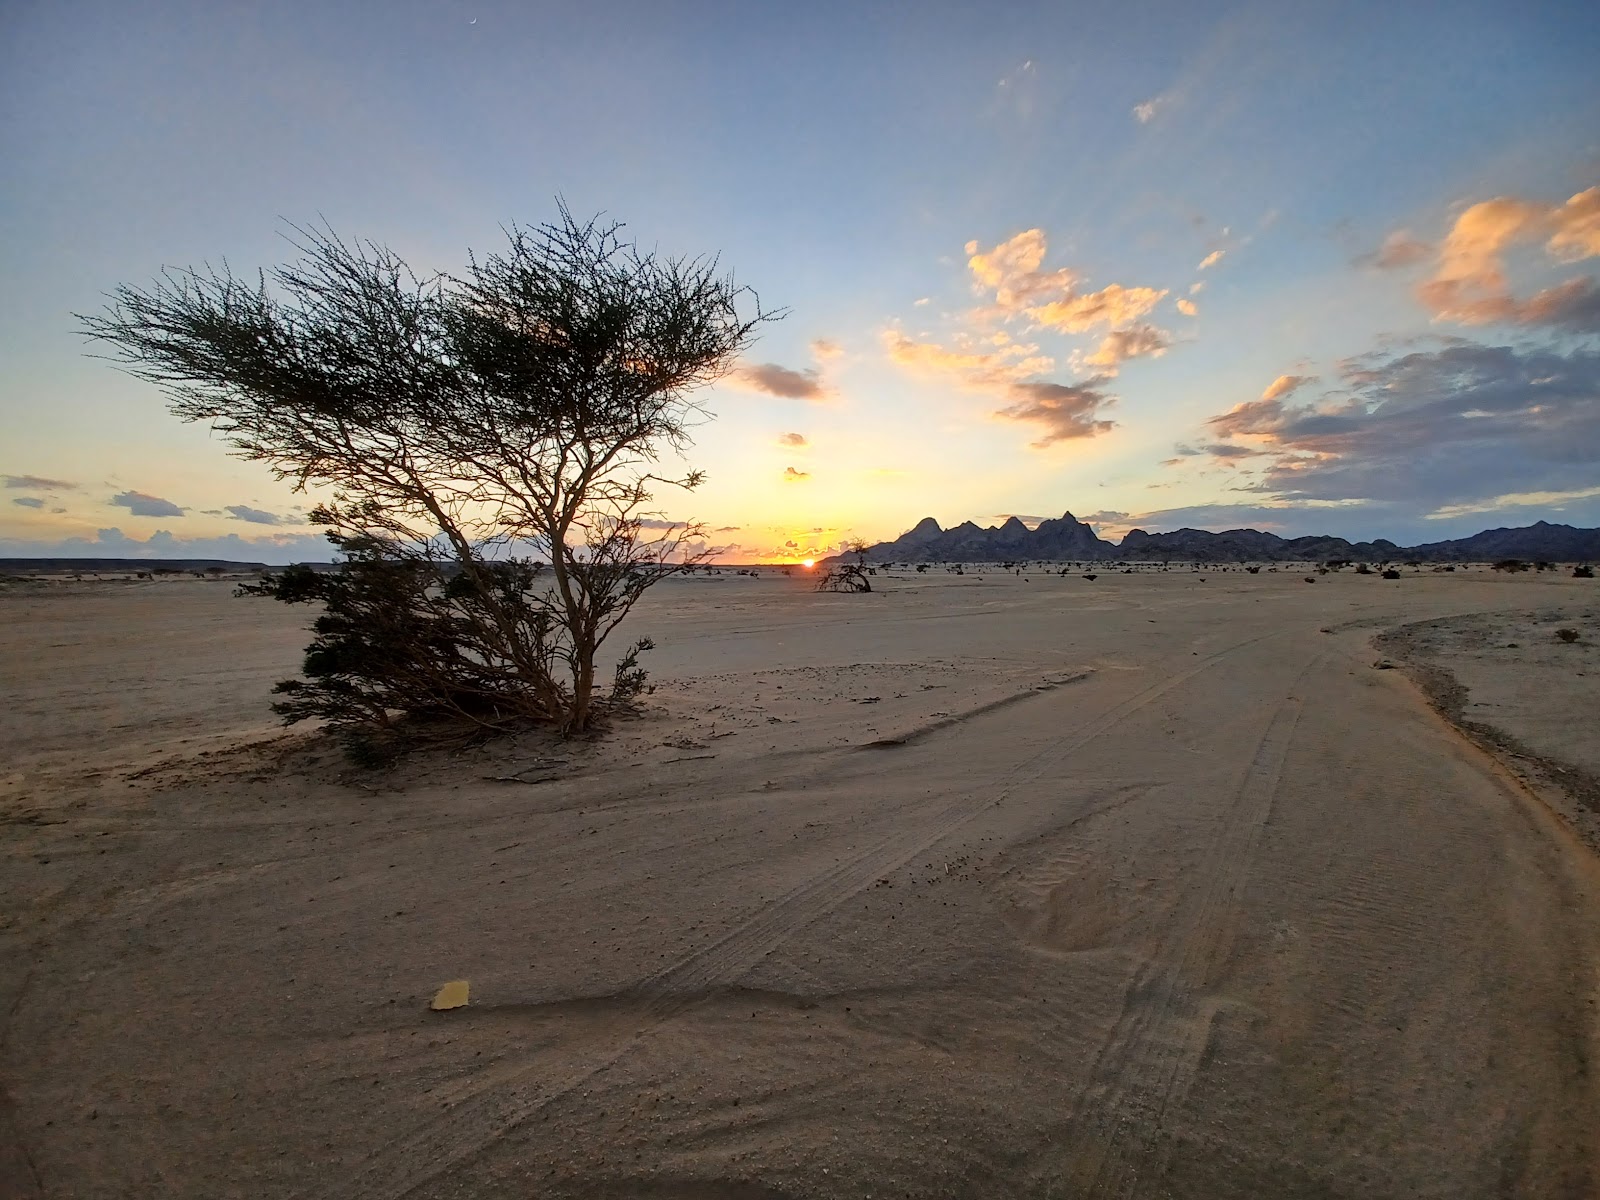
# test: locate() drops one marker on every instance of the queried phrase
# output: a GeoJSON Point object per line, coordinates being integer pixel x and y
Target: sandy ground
{"type": "Point", "coordinates": [976, 886]}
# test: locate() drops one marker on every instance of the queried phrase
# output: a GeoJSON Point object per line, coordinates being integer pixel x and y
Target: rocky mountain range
{"type": "Point", "coordinates": [1069, 539]}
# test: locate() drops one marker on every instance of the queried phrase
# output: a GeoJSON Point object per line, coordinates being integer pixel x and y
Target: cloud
{"type": "Point", "coordinates": [1111, 305]}
{"type": "Point", "coordinates": [1284, 384]}
{"type": "Point", "coordinates": [1227, 450]}
{"type": "Point", "coordinates": [1122, 344]}
{"type": "Point", "coordinates": [825, 351]}
{"type": "Point", "coordinates": [113, 543]}
{"type": "Point", "coordinates": [1197, 287]}
{"type": "Point", "coordinates": [1542, 500]}
{"type": "Point", "coordinates": [998, 364]}
{"type": "Point", "coordinates": [790, 475]}
{"type": "Point", "coordinates": [1576, 228]}
{"type": "Point", "coordinates": [1399, 250]}
{"type": "Point", "coordinates": [727, 529]}
{"type": "Point", "coordinates": [142, 505]}
{"type": "Point", "coordinates": [1010, 372]}
{"type": "Point", "coordinates": [38, 483]}
{"type": "Point", "coordinates": [921, 302]}
{"type": "Point", "coordinates": [1434, 429]}
{"type": "Point", "coordinates": [1050, 299]}
{"type": "Point", "coordinates": [1011, 271]}
{"type": "Point", "coordinates": [256, 516]}
{"type": "Point", "coordinates": [29, 502]}
{"type": "Point", "coordinates": [1065, 411]}
{"type": "Point", "coordinates": [1187, 308]}
{"type": "Point", "coordinates": [660, 523]}
{"type": "Point", "coordinates": [780, 381]}
{"type": "Point", "coordinates": [1145, 113]}
{"type": "Point", "coordinates": [1211, 259]}
{"type": "Point", "coordinates": [1469, 284]}
{"type": "Point", "coordinates": [793, 440]}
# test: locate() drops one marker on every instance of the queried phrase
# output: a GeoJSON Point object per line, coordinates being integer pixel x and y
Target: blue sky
{"type": "Point", "coordinates": [988, 229]}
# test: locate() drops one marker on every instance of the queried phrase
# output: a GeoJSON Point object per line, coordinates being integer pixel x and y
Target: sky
{"type": "Point", "coordinates": [1304, 268]}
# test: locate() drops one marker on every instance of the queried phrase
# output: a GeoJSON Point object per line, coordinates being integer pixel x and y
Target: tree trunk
{"type": "Point", "coordinates": [582, 689]}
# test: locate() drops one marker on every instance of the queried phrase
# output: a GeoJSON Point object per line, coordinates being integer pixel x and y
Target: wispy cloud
{"type": "Point", "coordinates": [29, 502]}
{"type": "Point", "coordinates": [1284, 384]}
{"type": "Point", "coordinates": [793, 441]}
{"type": "Point", "coordinates": [1188, 308]}
{"type": "Point", "coordinates": [1400, 249]}
{"type": "Point", "coordinates": [38, 483]}
{"type": "Point", "coordinates": [255, 516]}
{"type": "Point", "coordinates": [1211, 259]}
{"type": "Point", "coordinates": [1010, 371]}
{"type": "Point", "coordinates": [790, 475]}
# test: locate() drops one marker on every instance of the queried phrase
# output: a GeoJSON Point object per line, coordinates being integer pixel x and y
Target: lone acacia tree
{"type": "Point", "coordinates": [471, 429]}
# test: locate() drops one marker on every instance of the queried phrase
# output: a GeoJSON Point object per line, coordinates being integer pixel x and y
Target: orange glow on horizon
{"type": "Point", "coordinates": [809, 563]}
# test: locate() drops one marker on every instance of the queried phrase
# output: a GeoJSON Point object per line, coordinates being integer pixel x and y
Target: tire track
{"type": "Point", "coordinates": [1147, 1064]}
{"type": "Point", "coordinates": [410, 1162]}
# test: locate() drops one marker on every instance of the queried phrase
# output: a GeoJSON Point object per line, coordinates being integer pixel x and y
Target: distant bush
{"type": "Point", "coordinates": [1391, 573]}
{"type": "Point", "coordinates": [1363, 569]}
{"type": "Point", "coordinates": [1567, 635]}
{"type": "Point", "coordinates": [1511, 565]}
{"type": "Point", "coordinates": [1583, 571]}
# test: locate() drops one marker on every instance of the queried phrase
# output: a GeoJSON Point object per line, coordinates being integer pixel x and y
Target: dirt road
{"type": "Point", "coordinates": [981, 886]}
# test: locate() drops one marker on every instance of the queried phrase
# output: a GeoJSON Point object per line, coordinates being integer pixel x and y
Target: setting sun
{"type": "Point", "coordinates": [808, 563]}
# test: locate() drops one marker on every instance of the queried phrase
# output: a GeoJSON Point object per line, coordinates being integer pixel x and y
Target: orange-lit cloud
{"type": "Point", "coordinates": [1050, 300]}
{"type": "Point", "coordinates": [790, 475]}
{"type": "Point", "coordinates": [1284, 384]}
{"type": "Point", "coordinates": [1469, 284]}
{"type": "Point", "coordinates": [1010, 372]}
{"type": "Point", "coordinates": [825, 351]}
{"type": "Point", "coordinates": [1007, 362]}
{"type": "Point", "coordinates": [1576, 227]}
{"type": "Point", "coordinates": [1122, 344]}
{"type": "Point", "coordinates": [1011, 272]}
{"type": "Point", "coordinates": [1187, 308]}
{"type": "Point", "coordinates": [793, 441]}
{"type": "Point", "coordinates": [1111, 305]}
{"type": "Point", "coordinates": [1211, 259]}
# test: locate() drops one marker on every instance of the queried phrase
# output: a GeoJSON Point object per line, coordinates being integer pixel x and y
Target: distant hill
{"type": "Point", "coordinates": [117, 566]}
{"type": "Point", "coordinates": [1067, 538]}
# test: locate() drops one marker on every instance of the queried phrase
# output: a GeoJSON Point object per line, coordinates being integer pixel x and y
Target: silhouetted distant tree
{"type": "Point", "coordinates": [466, 428]}
{"type": "Point", "coordinates": [847, 576]}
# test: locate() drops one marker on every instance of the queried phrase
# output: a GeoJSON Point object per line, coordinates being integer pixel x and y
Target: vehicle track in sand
{"type": "Point", "coordinates": [1117, 1120]}
{"type": "Point", "coordinates": [409, 1163]}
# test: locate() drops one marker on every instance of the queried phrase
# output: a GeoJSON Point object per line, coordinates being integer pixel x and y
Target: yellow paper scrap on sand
{"type": "Point", "coordinates": [451, 995]}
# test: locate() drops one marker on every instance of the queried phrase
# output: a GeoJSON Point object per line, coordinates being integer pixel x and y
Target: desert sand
{"type": "Point", "coordinates": [979, 885]}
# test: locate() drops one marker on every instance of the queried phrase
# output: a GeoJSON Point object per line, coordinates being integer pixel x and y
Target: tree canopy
{"type": "Point", "coordinates": [466, 426]}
